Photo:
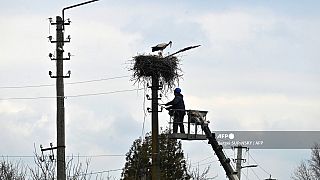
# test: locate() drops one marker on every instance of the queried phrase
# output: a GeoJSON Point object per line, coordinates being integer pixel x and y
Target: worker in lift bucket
{"type": "Point", "coordinates": [177, 110]}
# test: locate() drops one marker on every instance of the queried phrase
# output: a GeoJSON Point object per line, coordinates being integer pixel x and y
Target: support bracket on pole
{"type": "Point", "coordinates": [67, 76]}
{"type": "Point", "coordinates": [68, 39]}
{"type": "Point", "coordinates": [159, 87]}
{"type": "Point", "coordinates": [51, 148]}
{"type": "Point", "coordinates": [149, 98]}
{"type": "Point", "coordinates": [150, 110]}
{"type": "Point", "coordinates": [51, 56]}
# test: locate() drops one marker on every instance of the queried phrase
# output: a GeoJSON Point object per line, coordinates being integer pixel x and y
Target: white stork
{"type": "Point", "coordinates": [161, 47]}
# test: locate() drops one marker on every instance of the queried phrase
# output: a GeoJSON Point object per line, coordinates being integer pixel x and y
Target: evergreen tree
{"type": "Point", "coordinates": [172, 161]}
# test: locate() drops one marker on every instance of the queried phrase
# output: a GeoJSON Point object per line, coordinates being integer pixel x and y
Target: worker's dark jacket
{"type": "Point", "coordinates": [177, 103]}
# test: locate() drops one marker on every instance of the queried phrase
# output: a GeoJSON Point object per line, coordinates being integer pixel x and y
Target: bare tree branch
{"type": "Point", "coordinates": [310, 169]}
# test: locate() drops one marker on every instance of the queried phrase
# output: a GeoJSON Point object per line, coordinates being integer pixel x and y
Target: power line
{"type": "Point", "coordinates": [244, 174]}
{"type": "Point", "coordinates": [144, 110]}
{"type": "Point", "coordinates": [255, 174]}
{"type": "Point", "coordinates": [70, 96]}
{"type": "Point", "coordinates": [28, 98]}
{"type": "Point", "coordinates": [205, 159]}
{"type": "Point", "coordinates": [93, 173]}
{"type": "Point", "coordinates": [75, 156]}
{"type": "Point", "coordinates": [27, 86]}
{"type": "Point", "coordinates": [103, 93]}
{"type": "Point", "coordinates": [248, 163]}
{"type": "Point", "coordinates": [48, 85]}
{"type": "Point", "coordinates": [96, 80]}
{"type": "Point", "coordinates": [19, 156]}
{"type": "Point", "coordinates": [259, 165]}
{"type": "Point", "coordinates": [98, 172]}
{"type": "Point", "coordinates": [100, 155]}
{"type": "Point", "coordinates": [203, 164]}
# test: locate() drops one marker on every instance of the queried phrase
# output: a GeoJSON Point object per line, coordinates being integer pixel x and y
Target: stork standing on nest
{"type": "Point", "coordinates": [161, 47]}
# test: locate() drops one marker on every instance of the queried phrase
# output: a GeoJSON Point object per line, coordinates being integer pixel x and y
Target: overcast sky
{"type": "Point", "coordinates": [257, 69]}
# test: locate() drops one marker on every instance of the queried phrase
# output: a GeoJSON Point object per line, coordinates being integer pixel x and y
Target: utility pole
{"type": "Point", "coordinates": [61, 163]}
{"type": "Point", "coordinates": [155, 128]}
{"type": "Point", "coordinates": [61, 144]}
{"type": "Point", "coordinates": [239, 160]}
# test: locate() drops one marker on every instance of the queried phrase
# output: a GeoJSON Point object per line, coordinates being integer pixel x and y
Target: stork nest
{"type": "Point", "coordinates": [166, 68]}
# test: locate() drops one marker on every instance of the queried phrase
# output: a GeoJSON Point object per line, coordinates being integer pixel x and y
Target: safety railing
{"type": "Point", "coordinates": [191, 123]}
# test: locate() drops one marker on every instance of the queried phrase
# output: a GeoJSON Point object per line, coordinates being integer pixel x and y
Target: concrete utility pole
{"type": "Point", "coordinates": [61, 163]}
{"type": "Point", "coordinates": [155, 129]}
{"type": "Point", "coordinates": [239, 160]}
{"type": "Point", "coordinates": [61, 145]}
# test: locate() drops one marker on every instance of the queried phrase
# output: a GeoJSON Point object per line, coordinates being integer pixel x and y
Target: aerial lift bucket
{"type": "Point", "coordinates": [193, 123]}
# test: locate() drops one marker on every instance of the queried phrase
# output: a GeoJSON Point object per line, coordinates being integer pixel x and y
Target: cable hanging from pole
{"type": "Point", "coordinates": [70, 96]}
{"type": "Point", "coordinates": [71, 83]}
{"type": "Point", "coordinates": [259, 165]}
{"type": "Point", "coordinates": [80, 156]}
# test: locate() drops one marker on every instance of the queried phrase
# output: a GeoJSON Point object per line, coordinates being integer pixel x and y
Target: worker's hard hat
{"type": "Point", "coordinates": [177, 90]}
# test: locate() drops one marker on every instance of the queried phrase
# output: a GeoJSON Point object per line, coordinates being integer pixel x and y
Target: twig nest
{"type": "Point", "coordinates": [166, 68]}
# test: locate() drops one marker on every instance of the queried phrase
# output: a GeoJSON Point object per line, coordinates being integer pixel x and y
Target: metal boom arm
{"type": "Point", "coordinates": [225, 162]}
